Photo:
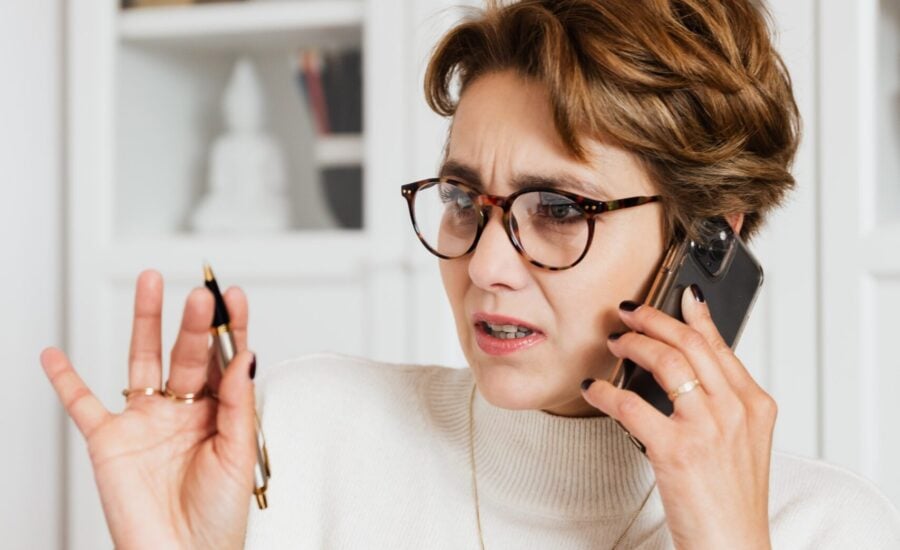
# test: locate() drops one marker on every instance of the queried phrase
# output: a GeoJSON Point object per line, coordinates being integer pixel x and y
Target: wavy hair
{"type": "Point", "coordinates": [694, 88]}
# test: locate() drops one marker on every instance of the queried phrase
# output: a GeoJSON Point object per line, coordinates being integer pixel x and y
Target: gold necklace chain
{"type": "Point", "coordinates": [475, 484]}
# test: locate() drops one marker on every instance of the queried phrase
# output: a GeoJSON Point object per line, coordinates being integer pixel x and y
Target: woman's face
{"type": "Point", "coordinates": [503, 129]}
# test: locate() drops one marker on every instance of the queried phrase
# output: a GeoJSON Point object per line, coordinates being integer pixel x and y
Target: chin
{"type": "Point", "coordinates": [523, 386]}
{"type": "Point", "coordinates": [510, 386]}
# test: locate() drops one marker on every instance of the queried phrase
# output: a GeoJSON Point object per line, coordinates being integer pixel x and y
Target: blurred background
{"type": "Point", "coordinates": [270, 138]}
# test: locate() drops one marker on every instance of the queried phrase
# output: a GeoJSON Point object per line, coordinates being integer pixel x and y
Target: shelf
{"type": "Point", "coordinates": [312, 254]}
{"type": "Point", "coordinates": [339, 150]}
{"type": "Point", "coordinates": [243, 26]}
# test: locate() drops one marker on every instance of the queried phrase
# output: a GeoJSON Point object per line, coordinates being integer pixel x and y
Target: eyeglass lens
{"type": "Point", "coordinates": [550, 227]}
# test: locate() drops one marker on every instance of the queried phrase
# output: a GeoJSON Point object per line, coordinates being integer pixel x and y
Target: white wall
{"type": "Point", "coordinates": [30, 270]}
{"type": "Point", "coordinates": [780, 344]}
{"type": "Point", "coordinates": [859, 143]}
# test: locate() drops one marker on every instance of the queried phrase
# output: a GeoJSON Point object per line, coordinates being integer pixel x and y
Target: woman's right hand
{"type": "Point", "coordinates": [171, 474]}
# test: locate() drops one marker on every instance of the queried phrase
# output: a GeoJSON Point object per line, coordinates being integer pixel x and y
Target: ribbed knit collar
{"type": "Point", "coordinates": [537, 462]}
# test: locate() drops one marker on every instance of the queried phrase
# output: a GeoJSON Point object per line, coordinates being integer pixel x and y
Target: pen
{"type": "Point", "coordinates": [224, 342]}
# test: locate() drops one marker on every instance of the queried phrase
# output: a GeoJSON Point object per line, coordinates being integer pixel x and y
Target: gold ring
{"type": "Point", "coordinates": [185, 397]}
{"type": "Point", "coordinates": [128, 392]}
{"type": "Point", "coordinates": [688, 386]}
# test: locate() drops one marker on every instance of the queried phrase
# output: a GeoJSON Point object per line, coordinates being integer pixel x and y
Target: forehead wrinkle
{"type": "Point", "coordinates": [564, 181]}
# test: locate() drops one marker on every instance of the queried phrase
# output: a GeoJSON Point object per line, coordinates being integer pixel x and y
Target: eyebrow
{"type": "Point", "coordinates": [564, 182]}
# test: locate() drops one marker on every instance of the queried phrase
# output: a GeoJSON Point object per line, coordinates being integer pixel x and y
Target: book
{"type": "Point", "coordinates": [331, 83]}
{"type": "Point", "coordinates": [311, 67]}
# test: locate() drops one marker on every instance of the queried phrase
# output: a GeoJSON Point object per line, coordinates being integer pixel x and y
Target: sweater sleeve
{"type": "Point", "coordinates": [814, 504]}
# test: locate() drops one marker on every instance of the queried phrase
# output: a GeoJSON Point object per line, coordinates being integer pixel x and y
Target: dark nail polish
{"type": "Point", "coordinates": [698, 294]}
{"type": "Point", "coordinates": [253, 367]}
{"type": "Point", "coordinates": [615, 335]}
{"type": "Point", "coordinates": [586, 383]}
{"type": "Point", "coordinates": [628, 305]}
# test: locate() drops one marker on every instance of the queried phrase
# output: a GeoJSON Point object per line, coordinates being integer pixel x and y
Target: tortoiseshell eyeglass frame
{"type": "Point", "coordinates": [589, 208]}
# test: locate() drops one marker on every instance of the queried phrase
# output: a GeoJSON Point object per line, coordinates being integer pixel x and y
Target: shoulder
{"type": "Point", "coordinates": [816, 503]}
{"type": "Point", "coordinates": [331, 366]}
{"type": "Point", "coordinates": [330, 411]}
{"type": "Point", "coordinates": [331, 379]}
{"type": "Point", "coordinates": [327, 365]}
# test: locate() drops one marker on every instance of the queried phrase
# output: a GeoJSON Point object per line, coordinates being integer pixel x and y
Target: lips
{"type": "Point", "coordinates": [495, 346]}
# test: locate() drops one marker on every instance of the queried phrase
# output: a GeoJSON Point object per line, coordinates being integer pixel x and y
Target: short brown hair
{"type": "Point", "coordinates": [694, 88]}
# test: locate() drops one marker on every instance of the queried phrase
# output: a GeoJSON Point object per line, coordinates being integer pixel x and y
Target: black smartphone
{"type": "Point", "coordinates": [730, 279]}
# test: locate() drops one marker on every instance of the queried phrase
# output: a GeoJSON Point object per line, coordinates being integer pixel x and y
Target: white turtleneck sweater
{"type": "Point", "coordinates": [374, 455]}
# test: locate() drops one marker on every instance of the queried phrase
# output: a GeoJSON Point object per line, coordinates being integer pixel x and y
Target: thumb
{"type": "Point", "coordinates": [235, 419]}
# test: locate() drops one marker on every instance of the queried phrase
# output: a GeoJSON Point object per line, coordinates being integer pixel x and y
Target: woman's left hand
{"type": "Point", "coordinates": [711, 457]}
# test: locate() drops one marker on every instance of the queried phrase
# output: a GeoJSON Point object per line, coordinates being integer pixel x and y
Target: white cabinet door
{"type": "Point", "coordinates": [859, 151]}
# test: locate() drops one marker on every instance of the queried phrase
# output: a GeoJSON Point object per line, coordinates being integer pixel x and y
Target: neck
{"type": "Point", "coordinates": [578, 408]}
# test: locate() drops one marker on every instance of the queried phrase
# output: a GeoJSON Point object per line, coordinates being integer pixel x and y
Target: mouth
{"type": "Point", "coordinates": [501, 335]}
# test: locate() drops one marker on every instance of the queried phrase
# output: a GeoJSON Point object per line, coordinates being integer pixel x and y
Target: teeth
{"type": "Point", "coordinates": [506, 332]}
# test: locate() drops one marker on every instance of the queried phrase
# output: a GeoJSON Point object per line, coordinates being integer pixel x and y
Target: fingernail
{"type": "Point", "coordinates": [586, 383]}
{"type": "Point", "coordinates": [698, 294]}
{"type": "Point", "coordinates": [628, 305]}
{"type": "Point", "coordinates": [615, 335]}
{"type": "Point", "coordinates": [253, 367]}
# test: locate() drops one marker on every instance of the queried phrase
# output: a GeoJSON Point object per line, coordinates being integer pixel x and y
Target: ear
{"type": "Point", "coordinates": [736, 221]}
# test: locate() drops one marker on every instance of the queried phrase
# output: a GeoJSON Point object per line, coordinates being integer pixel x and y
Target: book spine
{"type": "Point", "coordinates": [313, 70]}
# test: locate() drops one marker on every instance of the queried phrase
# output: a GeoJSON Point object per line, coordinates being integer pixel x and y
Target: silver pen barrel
{"type": "Point", "coordinates": [261, 473]}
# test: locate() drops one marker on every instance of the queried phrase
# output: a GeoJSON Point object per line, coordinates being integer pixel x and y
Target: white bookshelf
{"type": "Point", "coordinates": [248, 18]}
{"type": "Point", "coordinates": [236, 25]}
{"type": "Point", "coordinates": [144, 87]}
{"type": "Point", "coordinates": [172, 66]}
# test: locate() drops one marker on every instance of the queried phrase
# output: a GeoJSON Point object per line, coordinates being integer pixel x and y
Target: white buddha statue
{"type": "Point", "coordinates": [247, 189]}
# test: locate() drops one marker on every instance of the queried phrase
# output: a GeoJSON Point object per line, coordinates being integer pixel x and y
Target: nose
{"type": "Point", "coordinates": [495, 264]}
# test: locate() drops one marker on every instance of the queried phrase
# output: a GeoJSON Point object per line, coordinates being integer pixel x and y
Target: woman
{"type": "Point", "coordinates": [684, 103]}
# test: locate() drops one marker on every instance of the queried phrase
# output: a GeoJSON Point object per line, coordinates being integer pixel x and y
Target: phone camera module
{"type": "Point", "coordinates": [714, 250]}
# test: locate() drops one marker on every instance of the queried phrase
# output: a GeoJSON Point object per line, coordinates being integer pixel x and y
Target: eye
{"type": "Point", "coordinates": [453, 194]}
{"type": "Point", "coordinates": [559, 211]}
{"type": "Point", "coordinates": [557, 208]}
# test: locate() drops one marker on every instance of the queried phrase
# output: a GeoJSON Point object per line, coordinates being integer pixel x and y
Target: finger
{"type": "Point", "coordinates": [145, 354]}
{"type": "Point", "coordinates": [80, 403]}
{"type": "Point", "coordinates": [668, 366]}
{"type": "Point", "coordinates": [637, 416]}
{"type": "Point", "coordinates": [190, 354]}
{"type": "Point", "coordinates": [696, 313]}
{"type": "Point", "coordinates": [236, 304]}
{"type": "Point", "coordinates": [236, 416]}
{"type": "Point", "coordinates": [656, 324]}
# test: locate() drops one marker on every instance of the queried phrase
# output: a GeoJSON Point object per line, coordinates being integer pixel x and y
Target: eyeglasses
{"type": "Point", "coordinates": [552, 229]}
